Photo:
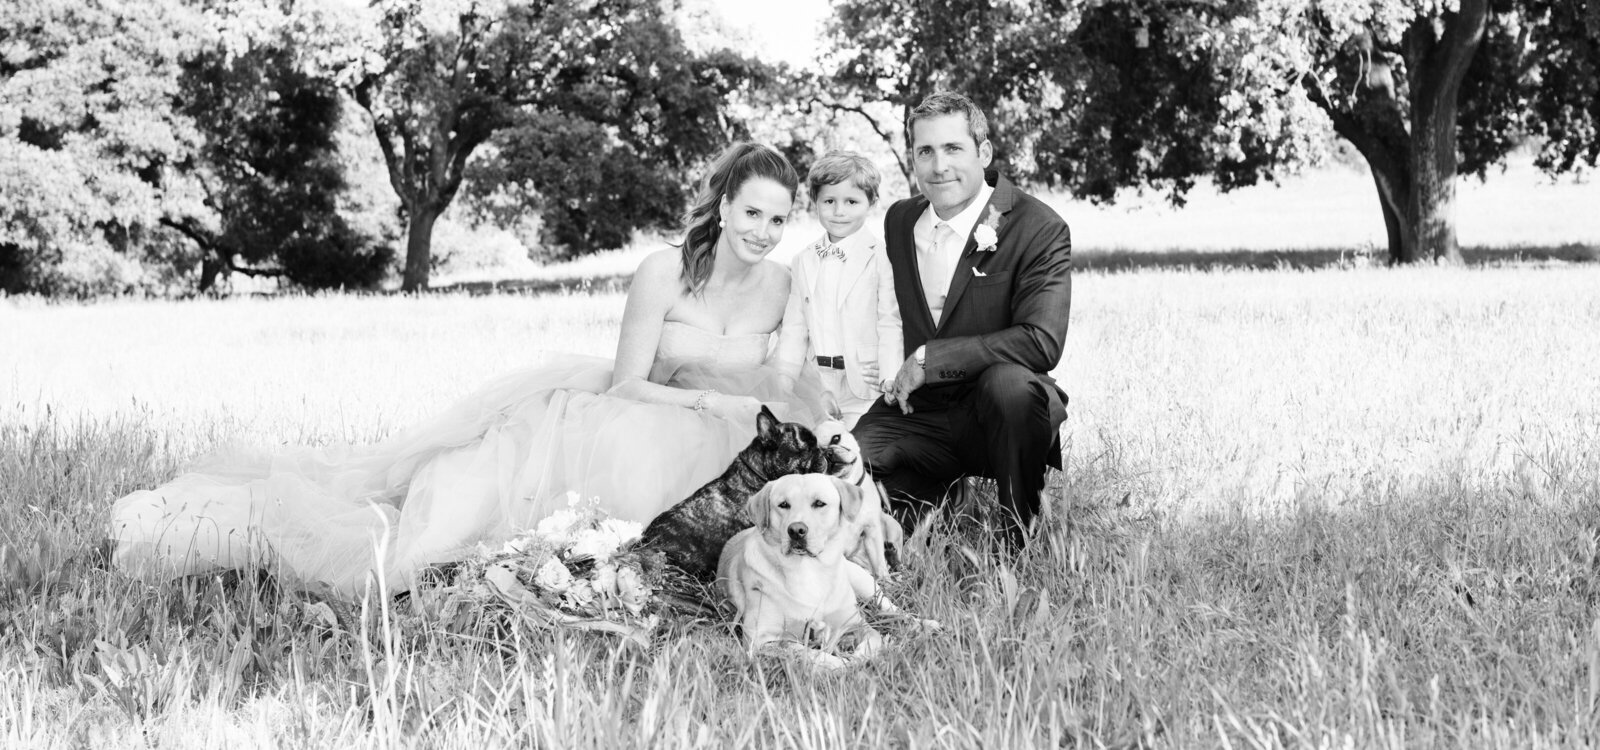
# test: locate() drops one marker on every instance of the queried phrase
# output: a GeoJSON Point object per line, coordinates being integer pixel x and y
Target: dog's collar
{"type": "Point", "coordinates": [742, 461]}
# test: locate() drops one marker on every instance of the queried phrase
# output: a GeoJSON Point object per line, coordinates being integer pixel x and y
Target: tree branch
{"type": "Point", "coordinates": [209, 245]}
{"type": "Point", "coordinates": [363, 96]}
{"type": "Point", "coordinates": [202, 238]}
{"type": "Point", "coordinates": [1371, 144]}
{"type": "Point", "coordinates": [872, 122]}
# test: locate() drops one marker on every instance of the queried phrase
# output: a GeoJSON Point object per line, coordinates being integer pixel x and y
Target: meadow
{"type": "Point", "coordinates": [1331, 506]}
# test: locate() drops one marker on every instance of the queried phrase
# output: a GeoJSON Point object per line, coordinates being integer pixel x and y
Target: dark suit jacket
{"type": "Point", "coordinates": [1015, 311]}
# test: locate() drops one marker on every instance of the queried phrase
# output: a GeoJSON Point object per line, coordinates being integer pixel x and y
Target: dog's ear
{"type": "Point", "coordinates": [849, 498]}
{"type": "Point", "coordinates": [767, 423]}
{"type": "Point", "coordinates": [756, 507]}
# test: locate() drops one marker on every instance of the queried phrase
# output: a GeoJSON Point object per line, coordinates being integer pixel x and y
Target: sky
{"type": "Point", "coordinates": [782, 30]}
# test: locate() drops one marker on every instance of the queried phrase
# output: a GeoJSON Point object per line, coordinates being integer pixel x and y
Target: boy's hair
{"type": "Point", "coordinates": [840, 166]}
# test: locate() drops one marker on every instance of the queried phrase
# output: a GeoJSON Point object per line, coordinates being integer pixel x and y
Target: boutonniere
{"type": "Point", "coordinates": [987, 233]}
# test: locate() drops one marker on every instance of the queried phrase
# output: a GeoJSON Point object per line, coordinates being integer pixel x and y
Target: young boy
{"type": "Point", "coordinates": [847, 288]}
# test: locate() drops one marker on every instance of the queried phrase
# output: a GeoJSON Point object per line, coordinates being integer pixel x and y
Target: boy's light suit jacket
{"type": "Point", "coordinates": [868, 310]}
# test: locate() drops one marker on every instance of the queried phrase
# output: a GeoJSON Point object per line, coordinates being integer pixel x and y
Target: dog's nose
{"type": "Point", "coordinates": [797, 531]}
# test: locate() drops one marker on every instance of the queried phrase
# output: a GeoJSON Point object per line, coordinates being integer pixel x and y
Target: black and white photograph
{"type": "Point", "coordinates": [806, 374]}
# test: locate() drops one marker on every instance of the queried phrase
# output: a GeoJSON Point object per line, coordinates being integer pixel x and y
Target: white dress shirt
{"type": "Point", "coordinates": [829, 338]}
{"type": "Point", "coordinates": [948, 252]}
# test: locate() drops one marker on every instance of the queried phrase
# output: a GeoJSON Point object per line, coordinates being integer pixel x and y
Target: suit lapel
{"type": "Point", "coordinates": [1000, 202]}
{"type": "Point", "coordinates": [908, 249]}
{"type": "Point", "coordinates": [809, 265]}
{"type": "Point", "coordinates": [855, 263]}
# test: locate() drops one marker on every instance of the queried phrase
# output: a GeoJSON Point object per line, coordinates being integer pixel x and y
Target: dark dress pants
{"type": "Point", "coordinates": [1004, 425]}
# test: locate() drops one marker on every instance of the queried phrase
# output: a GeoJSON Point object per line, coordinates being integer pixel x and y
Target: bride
{"type": "Point", "coordinates": [705, 341]}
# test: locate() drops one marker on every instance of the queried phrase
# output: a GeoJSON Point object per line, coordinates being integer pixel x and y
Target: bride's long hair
{"type": "Point", "coordinates": [737, 165]}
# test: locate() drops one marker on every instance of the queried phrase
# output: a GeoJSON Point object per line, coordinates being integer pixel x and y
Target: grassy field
{"type": "Point", "coordinates": [1309, 501]}
{"type": "Point", "coordinates": [1350, 507]}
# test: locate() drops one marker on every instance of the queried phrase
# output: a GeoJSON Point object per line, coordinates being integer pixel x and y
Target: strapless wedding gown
{"type": "Point", "coordinates": [496, 462]}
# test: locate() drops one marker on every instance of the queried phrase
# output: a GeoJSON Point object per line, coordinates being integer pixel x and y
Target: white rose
{"type": "Point", "coordinates": [557, 528]}
{"type": "Point", "coordinates": [602, 540]}
{"type": "Point", "coordinates": [553, 576]}
{"type": "Point", "coordinates": [624, 531]}
{"type": "Point", "coordinates": [986, 237]}
{"type": "Point", "coordinates": [591, 543]}
{"type": "Point", "coordinates": [605, 580]}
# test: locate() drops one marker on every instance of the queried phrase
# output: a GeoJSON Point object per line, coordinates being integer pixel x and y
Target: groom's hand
{"type": "Point", "coordinates": [911, 378]}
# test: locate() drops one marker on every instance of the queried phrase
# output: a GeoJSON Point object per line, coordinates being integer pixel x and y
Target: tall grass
{"type": "Point", "coordinates": [1347, 507]}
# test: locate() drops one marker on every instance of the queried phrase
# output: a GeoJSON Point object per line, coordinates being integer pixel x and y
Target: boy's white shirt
{"type": "Point", "coordinates": [860, 300]}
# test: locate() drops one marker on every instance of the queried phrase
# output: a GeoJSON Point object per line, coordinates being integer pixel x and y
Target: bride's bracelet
{"type": "Point", "coordinates": [700, 400]}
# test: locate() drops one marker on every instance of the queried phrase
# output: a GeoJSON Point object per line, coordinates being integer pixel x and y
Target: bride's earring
{"type": "Point", "coordinates": [722, 223]}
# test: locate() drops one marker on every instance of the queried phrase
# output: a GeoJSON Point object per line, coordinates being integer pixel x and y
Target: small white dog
{"type": "Point", "coordinates": [788, 577]}
{"type": "Point", "coordinates": [875, 525]}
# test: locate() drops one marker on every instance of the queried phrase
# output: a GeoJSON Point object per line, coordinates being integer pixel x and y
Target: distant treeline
{"type": "Point", "coordinates": [157, 147]}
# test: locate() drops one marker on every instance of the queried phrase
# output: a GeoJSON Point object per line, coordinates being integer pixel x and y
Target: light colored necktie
{"type": "Point", "coordinates": [934, 271]}
{"type": "Point", "coordinates": [830, 251]}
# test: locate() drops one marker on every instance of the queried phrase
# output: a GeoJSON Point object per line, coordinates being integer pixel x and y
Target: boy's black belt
{"type": "Point", "coordinates": [836, 363]}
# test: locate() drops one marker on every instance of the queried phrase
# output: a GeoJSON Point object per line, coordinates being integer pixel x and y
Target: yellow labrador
{"type": "Point", "coordinates": [875, 526]}
{"type": "Point", "coordinates": [788, 577]}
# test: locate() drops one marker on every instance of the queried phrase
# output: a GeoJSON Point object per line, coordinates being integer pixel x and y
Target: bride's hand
{"type": "Point", "coordinates": [736, 409]}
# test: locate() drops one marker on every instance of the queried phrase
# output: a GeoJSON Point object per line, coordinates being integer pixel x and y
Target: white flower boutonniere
{"type": "Point", "coordinates": [987, 234]}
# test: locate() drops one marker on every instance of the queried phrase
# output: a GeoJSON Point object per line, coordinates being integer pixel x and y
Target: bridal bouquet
{"type": "Point", "coordinates": [573, 569]}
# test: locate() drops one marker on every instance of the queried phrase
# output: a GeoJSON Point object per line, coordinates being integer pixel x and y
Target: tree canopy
{"type": "Point", "coordinates": [601, 89]}
{"type": "Point", "coordinates": [92, 153]}
{"type": "Point", "coordinates": [138, 142]}
{"type": "Point", "coordinates": [1101, 95]}
{"type": "Point", "coordinates": [612, 147]}
{"type": "Point", "coordinates": [271, 172]}
{"type": "Point", "coordinates": [161, 145]}
{"type": "Point", "coordinates": [1426, 90]}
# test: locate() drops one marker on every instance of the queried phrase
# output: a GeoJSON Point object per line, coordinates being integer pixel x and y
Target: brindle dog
{"type": "Point", "coordinates": [689, 536]}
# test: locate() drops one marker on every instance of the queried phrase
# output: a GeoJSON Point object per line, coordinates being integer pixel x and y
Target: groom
{"type": "Point", "coordinates": [983, 276]}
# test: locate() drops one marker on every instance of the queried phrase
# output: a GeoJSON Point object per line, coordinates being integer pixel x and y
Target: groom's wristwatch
{"type": "Point", "coordinates": [921, 356]}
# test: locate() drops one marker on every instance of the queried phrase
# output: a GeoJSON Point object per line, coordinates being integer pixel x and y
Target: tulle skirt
{"type": "Point", "coordinates": [496, 462]}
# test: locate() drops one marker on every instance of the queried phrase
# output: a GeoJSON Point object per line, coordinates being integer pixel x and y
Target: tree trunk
{"type": "Point", "coordinates": [419, 247]}
{"type": "Point", "coordinates": [1437, 57]}
{"type": "Point", "coordinates": [1401, 242]}
{"type": "Point", "coordinates": [211, 267]}
{"type": "Point", "coordinates": [1432, 202]}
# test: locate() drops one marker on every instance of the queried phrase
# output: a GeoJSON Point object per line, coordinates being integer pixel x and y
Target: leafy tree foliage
{"type": "Point", "coordinates": [1120, 111]}
{"type": "Point", "coordinates": [899, 51]}
{"type": "Point", "coordinates": [138, 141]}
{"type": "Point", "coordinates": [1426, 90]}
{"type": "Point", "coordinates": [272, 174]}
{"type": "Point", "coordinates": [92, 153]}
{"type": "Point", "coordinates": [597, 89]}
{"type": "Point", "coordinates": [1073, 98]}
{"type": "Point", "coordinates": [609, 150]}
{"type": "Point", "coordinates": [1098, 95]}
